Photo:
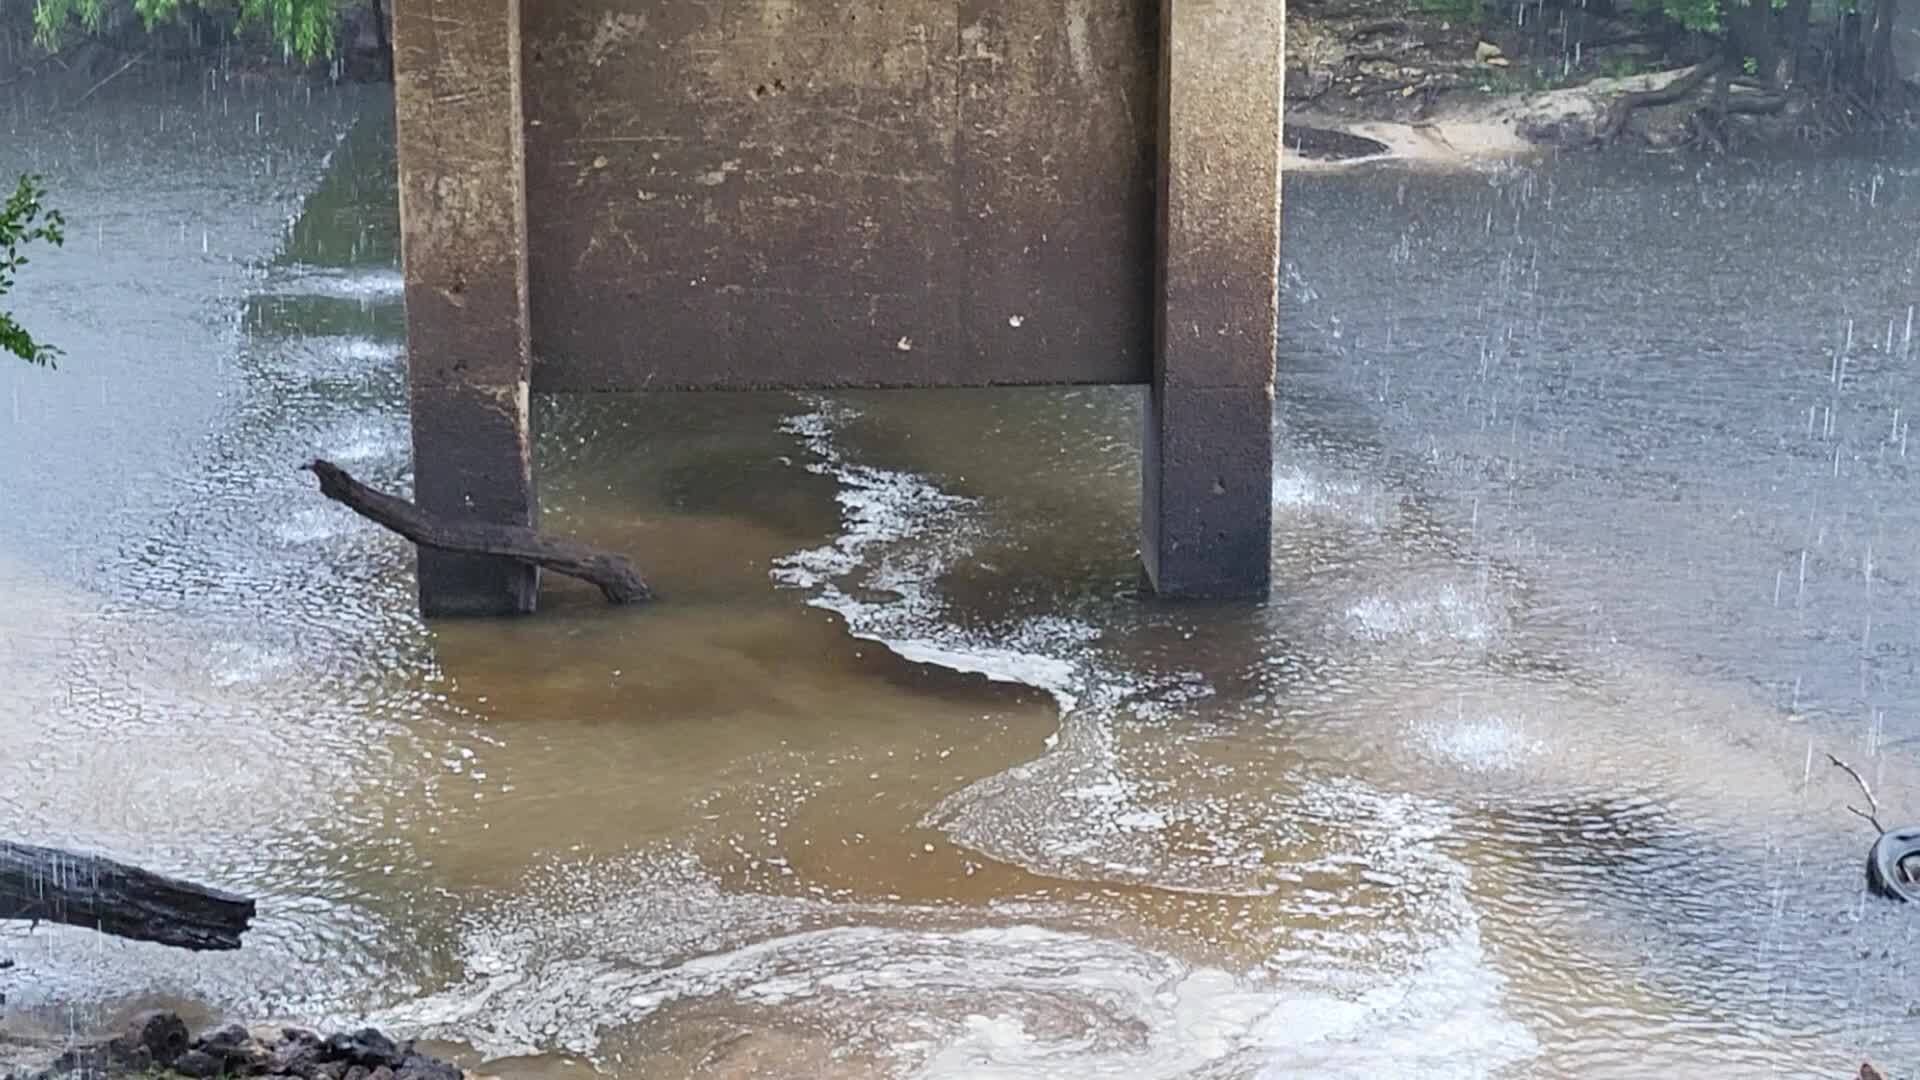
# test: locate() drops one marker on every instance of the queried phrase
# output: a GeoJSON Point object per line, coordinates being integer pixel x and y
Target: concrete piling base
{"type": "Point", "coordinates": [1207, 471]}
{"type": "Point", "coordinates": [463, 236]}
{"type": "Point", "coordinates": [471, 456]}
{"type": "Point", "coordinates": [762, 194]}
{"type": "Point", "coordinates": [1206, 500]}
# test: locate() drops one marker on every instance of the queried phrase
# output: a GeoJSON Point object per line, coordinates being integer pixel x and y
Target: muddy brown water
{"type": "Point", "coordinates": [1594, 530]}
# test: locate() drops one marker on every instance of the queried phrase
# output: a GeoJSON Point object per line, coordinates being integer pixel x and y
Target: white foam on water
{"type": "Point", "coordinates": [369, 285]}
{"type": "Point", "coordinates": [1481, 744]}
{"type": "Point", "coordinates": [1073, 812]}
{"type": "Point", "coordinates": [1000, 665]}
{"type": "Point", "coordinates": [236, 662]}
{"type": "Point", "coordinates": [362, 439]}
{"type": "Point", "coordinates": [360, 350]}
{"type": "Point", "coordinates": [1428, 614]}
{"type": "Point", "coordinates": [1413, 993]}
{"type": "Point", "coordinates": [1297, 491]}
{"type": "Point", "coordinates": [900, 533]}
{"type": "Point", "coordinates": [588, 954]}
{"type": "Point", "coordinates": [1376, 966]}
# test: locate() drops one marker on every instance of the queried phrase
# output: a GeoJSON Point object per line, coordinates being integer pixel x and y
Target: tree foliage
{"type": "Point", "coordinates": [1699, 16]}
{"type": "Point", "coordinates": [23, 220]}
{"type": "Point", "coordinates": [304, 28]}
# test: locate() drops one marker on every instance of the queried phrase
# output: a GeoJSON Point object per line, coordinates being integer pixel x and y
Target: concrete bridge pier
{"type": "Point", "coordinates": [784, 194]}
{"type": "Point", "coordinates": [1206, 506]}
{"type": "Point", "coordinates": [463, 239]}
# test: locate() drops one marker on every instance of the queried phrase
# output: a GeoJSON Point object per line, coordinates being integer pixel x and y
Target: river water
{"type": "Point", "coordinates": [1595, 531]}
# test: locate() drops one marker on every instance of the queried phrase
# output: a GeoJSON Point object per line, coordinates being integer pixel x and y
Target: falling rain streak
{"type": "Point", "coordinates": [904, 776]}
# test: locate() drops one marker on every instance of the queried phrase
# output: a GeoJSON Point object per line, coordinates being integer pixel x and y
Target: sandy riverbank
{"type": "Point", "coordinates": [1472, 132]}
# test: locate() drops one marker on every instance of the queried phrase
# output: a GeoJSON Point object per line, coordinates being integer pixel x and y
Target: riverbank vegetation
{"type": "Point", "coordinates": [342, 38]}
{"type": "Point", "coordinates": [1709, 73]}
{"type": "Point", "coordinates": [305, 28]}
{"type": "Point", "coordinates": [25, 220]}
{"type": "Point", "coordinates": [1703, 72]}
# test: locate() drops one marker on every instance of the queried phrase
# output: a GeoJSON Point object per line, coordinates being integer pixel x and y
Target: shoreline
{"type": "Point", "coordinates": [1445, 85]}
{"type": "Point", "coordinates": [1509, 126]}
{"type": "Point", "coordinates": [1459, 106]}
{"type": "Point", "coordinates": [156, 1045]}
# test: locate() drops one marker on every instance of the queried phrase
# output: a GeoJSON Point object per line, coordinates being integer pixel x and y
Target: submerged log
{"type": "Point", "coordinates": [618, 581]}
{"type": "Point", "coordinates": [42, 883]}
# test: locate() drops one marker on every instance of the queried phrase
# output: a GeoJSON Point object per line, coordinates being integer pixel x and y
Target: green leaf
{"type": "Point", "coordinates": [24, 220]}
{"type": "Point", "coordinates": [304, 28]}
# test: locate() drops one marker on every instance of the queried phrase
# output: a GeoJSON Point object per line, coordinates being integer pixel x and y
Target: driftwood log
{"type": "Point", "coordinates": [618, 581]}
{"type": "Point", "coordinates": [42, 883]}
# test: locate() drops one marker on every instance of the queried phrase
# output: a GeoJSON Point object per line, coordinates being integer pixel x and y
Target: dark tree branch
{"type": "Point", "coordinates": [619, 582]}
{"type": "Point", "coordinates": [114, 898]}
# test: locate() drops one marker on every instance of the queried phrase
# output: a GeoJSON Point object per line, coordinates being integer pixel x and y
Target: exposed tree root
{"type": "Point", "coordinates": [1820, 113]}
{"type": "Point", "coordinates": [1622, 108]}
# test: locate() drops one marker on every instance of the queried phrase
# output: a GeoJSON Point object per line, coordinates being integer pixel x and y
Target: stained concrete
{"type": "Point", "coordinates": [463, 242]}
{"type": "Point", "coordinates": [769, 193]}
{"type": "Point", "coordinates": [731, 194]}
{"type": "Point", "coordinates": [1207, 474]}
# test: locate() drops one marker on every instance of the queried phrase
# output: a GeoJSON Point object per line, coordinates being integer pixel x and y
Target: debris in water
{"type": "Point", "coordinates": [1893, 862]}
{"type": "Point", "coordinates": [616, 578]}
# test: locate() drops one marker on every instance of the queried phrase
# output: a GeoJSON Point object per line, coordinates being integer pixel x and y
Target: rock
{"type": "Point", "coordinates": [418, 1066]}
{"type": "Point", "coordinates": [235, 1049]}
{"type": "Point", "coordinates": [224, 1043]}
{"type": "Point", "coordinates": [162, 1034]}
{"type": "Point", "coordinates": [221, 1039]}
{"type": "Point", "coordinates": [1305, 84]}
{"type": "Point", "coordinates": [1486, 51]}
{"type": "Point", "coordinates": [252, 1060]}
{"type": "Point", "coordinates": [198, 1064]}
{"type": "Point", "coordinates": [159, 1041]}
{"type": "Point", "coordinates": [298, 1053]}
{"type": "Point", "coordinates": [367, 1048]}
{"type": "Point", "coordinates": [97, 1059]}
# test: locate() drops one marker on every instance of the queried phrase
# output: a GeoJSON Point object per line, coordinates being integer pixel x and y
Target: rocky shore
{"type": "Point", "coordinates": [158, 1045]}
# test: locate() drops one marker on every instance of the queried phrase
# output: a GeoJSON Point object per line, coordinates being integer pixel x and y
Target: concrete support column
{"type": "Point", "coordinates": [1207, 469]}
{"type": "Point", "coordinates": [463, 233]}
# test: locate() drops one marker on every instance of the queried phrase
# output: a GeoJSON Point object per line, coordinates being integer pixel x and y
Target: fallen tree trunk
{"type": "Point", "coordinates": [618, 581]}
{"type": "Point", "coordinates": [42, 883]}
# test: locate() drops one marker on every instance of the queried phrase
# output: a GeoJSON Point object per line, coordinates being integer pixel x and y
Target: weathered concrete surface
{"type": "Point", "coordinates": [766, 193]}
{"type": "Point", "coordinates": [817, 193]}
{"type": "Point", "coordinates": [1207, 474]}
{"type": "Point", "coordinates": [463, 244]}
